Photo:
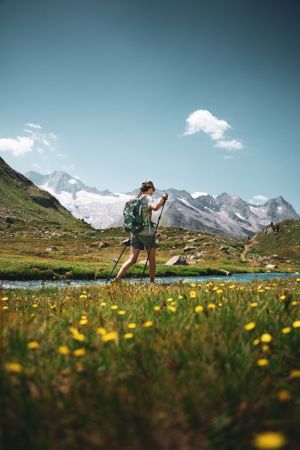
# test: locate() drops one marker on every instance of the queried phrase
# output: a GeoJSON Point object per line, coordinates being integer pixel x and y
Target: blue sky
{"type": "Point", "coordinates": [195, 95]}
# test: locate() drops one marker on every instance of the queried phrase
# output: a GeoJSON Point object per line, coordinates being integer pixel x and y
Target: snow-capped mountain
{"type": "Point", "coordinates": [98, 208]}
{"type": "Point", "coordinates": [224, 214]}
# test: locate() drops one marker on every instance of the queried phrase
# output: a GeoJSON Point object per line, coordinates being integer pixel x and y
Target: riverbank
{"type": "Point", "coordinates": [23, 269]}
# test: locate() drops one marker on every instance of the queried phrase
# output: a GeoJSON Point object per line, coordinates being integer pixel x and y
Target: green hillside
{"type": "Point", "coordinates": [25, 206]}
{"type": "Point", "coordinates": [280, 246]}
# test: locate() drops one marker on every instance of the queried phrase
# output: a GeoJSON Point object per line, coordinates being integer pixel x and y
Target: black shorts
{"type": "Point", "coordinates": [140, 242]}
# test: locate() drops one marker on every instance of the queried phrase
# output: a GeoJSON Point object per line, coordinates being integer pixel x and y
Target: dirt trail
{"type": "Point", "coordinates": [246, 248]}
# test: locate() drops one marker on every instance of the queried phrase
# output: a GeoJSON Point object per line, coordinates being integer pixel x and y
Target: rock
{"type": "Point", "coordinates": [225, 248]}
{"type": "Point", "coordinates": [271, 266]}
{"type": "Point", "coordinates": [188, 248]}
{"type": "Point", "coordinates": [103, 244]}
{"type": "Point", "coordinates": [177, 260]}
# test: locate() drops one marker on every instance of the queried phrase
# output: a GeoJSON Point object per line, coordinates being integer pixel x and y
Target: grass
{"type": "Point", "coordinates": [286, 243]}
{"type": "Point", "coordinates": [66, 255]}
{"type": "Point", "coordinates": [187, 377]}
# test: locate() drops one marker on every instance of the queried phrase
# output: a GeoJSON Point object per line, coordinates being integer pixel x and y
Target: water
{"type": "Point", "coordinates": [244, 277]}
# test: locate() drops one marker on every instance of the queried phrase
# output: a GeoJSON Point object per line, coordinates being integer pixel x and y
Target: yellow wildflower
{"type": "Point", "coordinates": [121, 313]}
{"type": "Point", "coordinates": [33, 345]}
{"type": "Point", "coordinates": [198, 308]}
{"type": "Point", "coordinates": [35, 305]}
{"type": "Point", "coordinates": [169, 299]}
{"type": "Point", "coordinates": [282, 297]}
{"type": "Point", "coordinates": [128, 335]}
{"type": "Point", "coordinates": [131, 325]}
{"type": "Point", "coordinates": [103, 304]}
{"type": "Point", "coordinates": [250, 326]}
{"type": "Point", "coordinates": [269, 440]}
{"type": "Point", "coordinates": [286, 330]}
{"type": "Point", "coordinates": [83, 296]}
{"type": "Point", "coordinates": [256, 342]}
{"type": "Point", "coordinates": [4, 299]}
{"type": "Point", "coordinates": [295, 373]}
{"type": "Point", "coordinates": [13, 367]}
{"type": "Point", "coordinates": [266, 338]}
{"type": "Point", "coordinates": [76, 335]}
{"type": "Point", "coordinates": [193, 294]}
{"type": "Point", "coordinates": [260, 291]}
{"type": "Point", "coordinates": [219, 291]}
{"type": "Point", "coordinates": [156, 308]}
{"type": "Point", "coordinates": [284, 395]}
{"type": "Point", "coordinates": [79, 352]}
{"type": "Point", "coordinates": [232, 286]}
{"type": "Point", "coordinates": [114, 307]}
{"type": "Point", "coordinates": [296, 324]}
{"type": "Point", "coordinates": [111, 336]}
{"type": "Point", "coordinates": [101, 331]}
{"type": "Point", "coordinates": [63, 350]}
{"type": "Point", "coordinates": [254, 305]}
{"type": "Point", "coordinates": [5, 307]}
{"type": "Point", "coordinates": [148, 323]}
{"type": "Point", "coordinates": [262, 362]}
{"type": "Point", "coordinates": [83, 321]}
{"type": "Point", "coordinates": [211, 306]}
{"type": "Point", "coordinates": [265, 348]}
{"type": "Point", "coordinates": [171, 308]}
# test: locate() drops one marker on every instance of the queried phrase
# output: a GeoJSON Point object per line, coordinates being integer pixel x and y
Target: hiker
{"type": "Point", "coordinates": [144, 239]}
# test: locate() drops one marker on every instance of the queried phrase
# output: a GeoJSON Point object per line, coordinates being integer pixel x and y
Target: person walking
{"type": "Point", "coordinates": [144, 239]}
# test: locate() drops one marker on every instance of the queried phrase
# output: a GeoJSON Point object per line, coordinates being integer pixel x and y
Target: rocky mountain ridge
{"type": "Point", "coordinates": [224, 214]}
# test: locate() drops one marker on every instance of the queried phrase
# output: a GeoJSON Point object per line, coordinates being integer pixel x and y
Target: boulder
{"type": "Point", "coordinates": [103, 244]}
{"type": "Point", "coordinates": [271, 266]}
{"type": "Point", "coordinates": [177, 260]}
{"type": "Point", "coordinates": [188, 248]}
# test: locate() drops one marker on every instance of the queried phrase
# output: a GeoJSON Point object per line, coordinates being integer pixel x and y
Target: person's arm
{"type": "Point", "coordinates": [156, 205]}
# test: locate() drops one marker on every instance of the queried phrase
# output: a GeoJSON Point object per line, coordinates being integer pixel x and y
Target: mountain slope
{"type": "Point", "coordinates": [282, 245]}
{"type": "Point", "coordinates": [24, 205]}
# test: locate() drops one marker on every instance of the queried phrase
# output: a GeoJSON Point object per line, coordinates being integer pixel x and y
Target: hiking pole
{"type": "Point", "coordinates": [117, 260]}
{"type": "Point", "coordinates": [153, 239]}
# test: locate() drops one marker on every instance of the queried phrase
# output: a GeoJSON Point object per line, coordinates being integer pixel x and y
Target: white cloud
{"type": "Point", "coordinates": [16, 146]}
{"type": "Point", "coordinates": [36, 140]}
{"type": "Point", "coordinates": [231, 145]}
{"type": "Point", "coordinates": [205, 121]}
{"type": "Point", "coordinates": [256, 199]}
{"type": "Point", "coordinates": [35, 126]}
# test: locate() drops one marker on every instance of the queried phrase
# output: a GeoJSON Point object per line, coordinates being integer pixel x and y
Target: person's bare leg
{"type": "Point", "coordinates": [134, 253]}
{"type": "Point", "coordinates": [152, 263]}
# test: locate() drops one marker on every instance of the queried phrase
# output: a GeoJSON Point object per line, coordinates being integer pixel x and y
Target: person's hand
{"type": "Point", "coordinates": [165, 196]}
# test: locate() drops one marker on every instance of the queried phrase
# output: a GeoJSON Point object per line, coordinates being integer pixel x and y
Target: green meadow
{"type": "Point", "coordinates": [188, 366]}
